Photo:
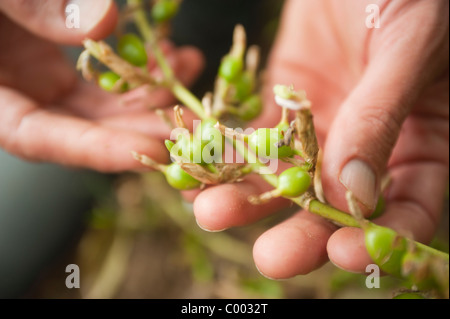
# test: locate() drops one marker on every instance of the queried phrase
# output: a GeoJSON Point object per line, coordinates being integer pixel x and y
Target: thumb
{"type": "Point", "coordinates": [65, 22]}
{"type": "Point", "coordinates": [364, 133]}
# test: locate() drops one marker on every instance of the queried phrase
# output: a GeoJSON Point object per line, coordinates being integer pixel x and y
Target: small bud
{"type": "Point", "coordinates": [287, 97]}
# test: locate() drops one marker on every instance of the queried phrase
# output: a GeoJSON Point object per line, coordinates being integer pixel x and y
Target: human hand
{"type": "Point", "coordinates": [380, 100]}
{"type": "Point", "coordinates": [48, 114]}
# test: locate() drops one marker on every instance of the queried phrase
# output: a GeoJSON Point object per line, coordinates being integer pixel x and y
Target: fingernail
{"type": "Point", "coordinates": [342, 268]}
{"type": "Point", "coordinates": [209, 230]}
{"type": "Point", "coordinates": [270, 278]}
{"type": "Point", "coordinates": [262, 274]}
{"type": "Point", "coordinates": [90, 12]}
{"type": "Point", "coordinates": [360, 179]}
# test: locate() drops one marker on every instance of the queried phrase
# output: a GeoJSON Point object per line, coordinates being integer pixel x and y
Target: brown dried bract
{"type": "Point", "coordinates": [307, 136]}
{"type": "Point", "coordinates": [226, 173]}
{"type": "Point", "coordinates": [84, 65]}
{"type": "Point", "coordinates": [317, 179]}
{"type": "Point", "coordinates": [134, 76]}
{"type": "Point", "coordinates": [178, 113]}
{"type": "Point", "coordinates": [287, 138]}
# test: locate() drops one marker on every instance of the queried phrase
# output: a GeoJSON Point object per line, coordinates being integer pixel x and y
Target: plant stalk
{"type": "Point", "coordinates": [194, 104]}
{"type": "Point", "coordinates": [178, 89]}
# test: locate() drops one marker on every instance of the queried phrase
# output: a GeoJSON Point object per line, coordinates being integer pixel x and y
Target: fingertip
{"type": "Point", "coordinates": [64, 22]}
{"type": "Point", "coordinates": [346, 249]}
{"type": "Point", "coordinates": [191, 62]}
{"type": "Point", "coordinates": [103, 21]}
{"type": "Point", "coordinates": [224, 206]}
{"type": "Point", "coordinates": [294, 247]}
{"type": "Point", "coordinates": [219, 207]}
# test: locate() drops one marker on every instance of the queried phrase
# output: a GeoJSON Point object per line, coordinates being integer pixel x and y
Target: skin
{"type": "Point", "coordinates": [49, 114]}
{"type": "Point", "coordinates": [378, 94]}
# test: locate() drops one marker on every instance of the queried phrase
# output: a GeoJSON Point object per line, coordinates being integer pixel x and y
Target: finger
{"type": "Point", "coordinates": [87, 100]}
{"type": "Point", "coordinates": [419, 172]}
{"type": "Point", "coordinates": [224, 206]}
{"type": "Point", "coordinates": [37, 134]}
{"type": "Point", "coordinates": [167, 48]}
{"type": "Point", "coordinates": [66, 22]}
{"type": "Point", "coordinates": [425, 133]}
{"type": "Point", "coordinates": [37, 68]}
{"type": "Point", "coordinates": [190, 195]}
{"type": "Point", "coordinates": [186, 63]}
{"type": "Point", "coordinates": [409, 211]}
{"type": "Point", "coordinates": [297, 246]}
{"type": "Point", "coordinates": [362, 136]}
{"type": "Point", "coordinates": [346, 250]}
{"type": "Point", "coordinates": [190, 63]}
{"type": "Point", "coordinates": [148, 123]}
{"type": "Point", "coordinates": [415, 199]}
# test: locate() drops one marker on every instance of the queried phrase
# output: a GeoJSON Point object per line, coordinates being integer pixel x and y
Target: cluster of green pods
{"type": "Point", "coordinates": [243, 84]}
{"type": "Point", "coordinates": [130, 48]}
{"type": "Point", "coordinates": [404, 258]}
